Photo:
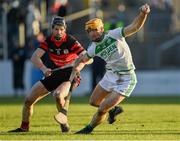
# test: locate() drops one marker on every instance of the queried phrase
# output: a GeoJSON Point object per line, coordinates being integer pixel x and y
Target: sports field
{"type": "Point", "coordinates": [150, 118]}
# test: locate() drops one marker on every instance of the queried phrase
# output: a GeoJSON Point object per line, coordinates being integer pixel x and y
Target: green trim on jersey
{"type": "Point", "coordinates": [122, 32]}
{"type": "Point", "coordinates": [88, 55]}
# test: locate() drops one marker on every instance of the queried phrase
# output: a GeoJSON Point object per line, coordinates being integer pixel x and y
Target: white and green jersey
{"type": "Point", "coordinates": [115, 51]}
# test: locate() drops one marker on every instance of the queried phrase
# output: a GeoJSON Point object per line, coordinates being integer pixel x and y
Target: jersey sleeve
{"type": "Point", "coordinates": [90, 51]}
{"type": "Point", "coordinates": [43, 45]}
{"type": "Point", "coordinates": [76, 46]}
{"type": "Point", "coordinates": [117, 33]}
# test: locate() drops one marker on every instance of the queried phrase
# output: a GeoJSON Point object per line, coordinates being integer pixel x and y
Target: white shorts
{"type": "Point", "coordinates": [123, 84]}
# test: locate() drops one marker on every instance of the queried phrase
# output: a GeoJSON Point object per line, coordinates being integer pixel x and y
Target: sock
{"type": "Point", "coordinates": [90, 127]}
{"type": "Point", "coordinates": [64, 111]}
{"type": "Point", "coordinates": [113, 109]}
{"type": "Point", "coordinates": [25, 125]}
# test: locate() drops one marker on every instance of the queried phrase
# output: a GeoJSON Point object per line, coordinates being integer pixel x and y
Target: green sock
{"type": "Point", "coordinates": [112, 110]}
{"type": "Point", "coordinates": [89, 127]}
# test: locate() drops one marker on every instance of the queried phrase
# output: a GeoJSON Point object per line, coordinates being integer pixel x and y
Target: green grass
{"type": "Point", "coordinates": [151, 118]}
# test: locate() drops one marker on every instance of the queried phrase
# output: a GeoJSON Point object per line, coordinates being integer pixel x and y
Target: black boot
{"type": "Point", "coordinates": [113, 113]}
{"type": "Point", "coordinates": [18, 130]}
{"type": "Point", "coordinates": [64, 128]}
{"type": "Point", "coordinates": [86, 130]}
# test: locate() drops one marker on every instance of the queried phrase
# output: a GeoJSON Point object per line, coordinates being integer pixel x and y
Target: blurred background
{"type": "Point", "coordinates": [155, 48]}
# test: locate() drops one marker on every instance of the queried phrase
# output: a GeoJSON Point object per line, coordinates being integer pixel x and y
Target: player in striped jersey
{"type": "Point", "coordinates": [63, 49]}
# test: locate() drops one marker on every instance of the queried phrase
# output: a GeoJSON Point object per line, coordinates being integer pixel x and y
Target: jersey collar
{"type": "Point", "coordinates": [58, 43]}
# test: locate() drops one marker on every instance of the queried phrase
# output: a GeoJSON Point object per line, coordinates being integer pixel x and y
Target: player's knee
{"type": "Point", "coordinates": [60, 99]}
{"type": "Point", "coordinates": [59, 96]}
{"type": "Point", "coordinates": [28, 102]}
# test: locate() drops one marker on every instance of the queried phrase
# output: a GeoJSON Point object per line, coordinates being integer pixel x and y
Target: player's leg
{"type": "Point", "coordinates": [97, 98]}
{"type": "Point", "coordinates": [62, 115]}
{"type": "Point", "coordinates": [98, 95]}
{"type": "Point", "coordinates": [110, 102]}
{"type": "Point", "coordinates": [125, 85]}
{"type": "Point", "coordinates": [101, 114]}
{"type": "Point", "coordinates": [122, 86]}
{"type": "Point", "coordinates": [61, 93]}
{"type": "Point", "coordinates": [64, 111]}
{"type": "Point", "coordinates": [37, 92]}
{"type": "Point", "coordinates": [62, 102]}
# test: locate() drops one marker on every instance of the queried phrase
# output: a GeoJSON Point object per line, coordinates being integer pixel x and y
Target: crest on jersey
{"type": "Point", "coordinates": [51, 50]}
{"type": "Point", "coordinates": [58, 51]}
{"type": "Point", "coordinates": [65, 51]}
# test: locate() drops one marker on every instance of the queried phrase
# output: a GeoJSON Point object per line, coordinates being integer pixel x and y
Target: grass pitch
{"type": "Point", "coordinates": [150, 118]}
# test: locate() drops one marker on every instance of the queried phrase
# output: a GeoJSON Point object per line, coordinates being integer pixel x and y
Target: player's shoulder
{"type": "Point", "coordinates": [91, 45]}
{"type": "Point", "coordinates": [47, 39]}
{"type": "Point", "coordinates": [71, 37]}
{"type": "Point", "coordinates": [117, 33]}
{"type": "Point", "coordinates": [113, 31]}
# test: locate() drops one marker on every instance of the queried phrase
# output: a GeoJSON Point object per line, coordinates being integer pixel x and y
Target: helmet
{"type": "Point", "coordinates": [94, 24]}
{"type": "Point", "coordinates": [58, 21]}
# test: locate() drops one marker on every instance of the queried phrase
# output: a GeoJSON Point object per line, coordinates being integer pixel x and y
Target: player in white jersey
{"type": "Point", "coordinates": [119, 79]}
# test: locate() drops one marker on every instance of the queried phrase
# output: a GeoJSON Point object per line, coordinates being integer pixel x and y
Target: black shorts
{"type": "Point", "coordinates": [56, 78]}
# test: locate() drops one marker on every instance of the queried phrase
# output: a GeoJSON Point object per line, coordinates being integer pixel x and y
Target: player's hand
{"type": "Point", "coordinates": [77, 80]}
{"type": "Point", "coordinates": [47, 72]}
{"type": "Point", "coordinates": [145, 9]}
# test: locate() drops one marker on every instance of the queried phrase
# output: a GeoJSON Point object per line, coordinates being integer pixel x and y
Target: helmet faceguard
{"type": "Point", "coordinates": [58, 21]}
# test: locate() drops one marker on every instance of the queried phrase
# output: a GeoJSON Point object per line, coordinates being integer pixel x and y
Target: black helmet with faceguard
{"type": "Point", "coordinates": [58, 21]}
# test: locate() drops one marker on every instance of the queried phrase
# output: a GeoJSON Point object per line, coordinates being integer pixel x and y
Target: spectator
{"type": "Point", "coordinates": [18, 60]}
{"type": "Point", "coordinates": [161, 21]}
{"type": "Point", "coordinates": [60, 7]}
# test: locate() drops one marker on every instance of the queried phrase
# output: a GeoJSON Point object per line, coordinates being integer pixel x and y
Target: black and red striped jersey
{"type": "Point", "coordinates": [62, 52]}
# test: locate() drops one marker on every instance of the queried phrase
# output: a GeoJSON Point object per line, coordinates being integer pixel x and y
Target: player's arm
{"type": "Point", "coordinates": [138, 22]}
{"type": "Point", "coordinates": [36, 60]}
{"type": "Point", "coordinates": [83, 60]}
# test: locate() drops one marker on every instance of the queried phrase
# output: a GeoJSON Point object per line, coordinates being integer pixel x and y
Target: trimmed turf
{"type": "Point", "coordinates": [150, 118]}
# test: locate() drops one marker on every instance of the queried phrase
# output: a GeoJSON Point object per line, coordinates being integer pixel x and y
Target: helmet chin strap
{"type": "Point", "coordinates": [100, 38]}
